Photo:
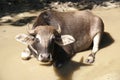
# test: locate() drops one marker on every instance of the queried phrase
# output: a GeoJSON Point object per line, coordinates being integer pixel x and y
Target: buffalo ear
{"type": "Point", "coordinates": [66, 39]}
{"type": "Point", "coordinates": [24, 38]}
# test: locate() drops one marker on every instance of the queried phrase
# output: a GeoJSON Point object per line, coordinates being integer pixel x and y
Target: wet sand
{"type": "Point", "coordinates": [106, 66]}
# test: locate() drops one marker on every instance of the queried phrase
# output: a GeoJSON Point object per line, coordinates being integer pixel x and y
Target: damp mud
{"type": "Point", "coordinates": [106, 66]}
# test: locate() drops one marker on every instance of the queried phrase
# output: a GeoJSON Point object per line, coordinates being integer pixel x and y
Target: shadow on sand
{"type": "Point", "coordinates": [20, 22]}
{"type": "Point", "coordinates": [66, 72]}
{"type": "Point", "coordinates": [106, 40]}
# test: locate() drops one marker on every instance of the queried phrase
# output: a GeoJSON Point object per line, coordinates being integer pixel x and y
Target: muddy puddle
{"type": "Point", "coordinates": [106, 66]}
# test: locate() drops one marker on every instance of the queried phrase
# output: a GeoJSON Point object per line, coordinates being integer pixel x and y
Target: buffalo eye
{"type": "Point", "coordinates": [57, 36]}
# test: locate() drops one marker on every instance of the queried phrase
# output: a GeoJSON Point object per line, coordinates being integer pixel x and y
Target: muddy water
{"type": "Point", "coordinates": [106, 67]}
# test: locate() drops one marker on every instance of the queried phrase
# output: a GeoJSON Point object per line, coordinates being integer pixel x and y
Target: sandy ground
{"type": "Point", "coordinates": [106, 66]}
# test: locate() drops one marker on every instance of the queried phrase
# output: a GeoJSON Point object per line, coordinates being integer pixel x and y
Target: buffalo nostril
{"type": "Point", "coordinates": [41, 56]}
{"type": "Point", "coordinates": [48, 56]}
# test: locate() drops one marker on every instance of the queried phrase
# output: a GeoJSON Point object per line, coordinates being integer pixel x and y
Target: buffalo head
{"type": "Point", "coordinates": [41, 41]}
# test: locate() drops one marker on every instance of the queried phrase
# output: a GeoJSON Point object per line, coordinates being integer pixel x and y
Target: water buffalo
{"type": "Point", "coordinates": [57, 36]}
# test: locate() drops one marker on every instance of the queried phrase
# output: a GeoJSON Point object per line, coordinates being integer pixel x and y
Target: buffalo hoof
{"type": "Point", "coordinates": [90, 59]}
{"type": "Point", "coordinates": [25, 55]}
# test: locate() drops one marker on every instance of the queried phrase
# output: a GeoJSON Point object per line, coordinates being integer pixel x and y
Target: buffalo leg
{"type": "Point", "coordinates": [96, 41]}
{"type": "Point", "coordinates": [26, 54]}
